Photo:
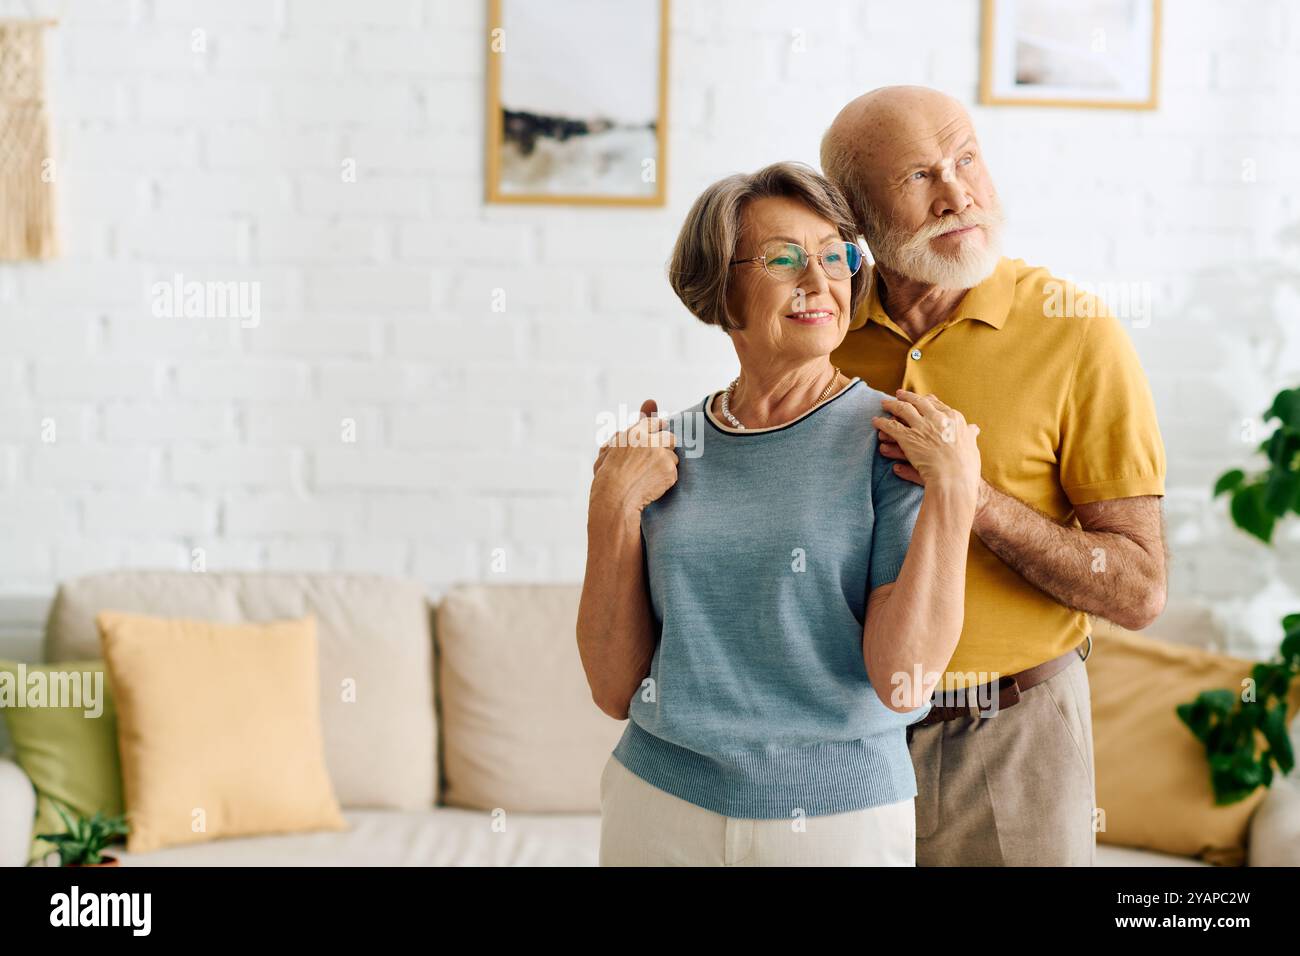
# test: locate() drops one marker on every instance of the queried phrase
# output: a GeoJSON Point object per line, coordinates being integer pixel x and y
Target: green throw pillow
{"type": "Point", "coordinates": [70, 755]}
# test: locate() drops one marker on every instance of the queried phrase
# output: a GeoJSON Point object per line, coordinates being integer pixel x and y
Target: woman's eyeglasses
{"type": "Point", "coordinates": [788, 260]}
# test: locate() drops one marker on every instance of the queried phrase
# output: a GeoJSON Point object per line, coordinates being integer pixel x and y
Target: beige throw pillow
{"type": "Point", "coordinates": [520, 730]}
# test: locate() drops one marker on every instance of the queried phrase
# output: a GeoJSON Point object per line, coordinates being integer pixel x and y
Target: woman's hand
{"type": "Point", "coordinates": [635, 467]}
{"type": "Point", "coordinates": [937, 441]}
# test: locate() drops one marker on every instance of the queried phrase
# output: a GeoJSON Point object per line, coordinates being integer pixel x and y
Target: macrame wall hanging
{"type": "Point", "coordinates": [27, 228]}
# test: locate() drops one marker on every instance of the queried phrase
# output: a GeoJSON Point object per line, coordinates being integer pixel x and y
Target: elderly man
{"type": "Point", "coordinates": [1069, 522]}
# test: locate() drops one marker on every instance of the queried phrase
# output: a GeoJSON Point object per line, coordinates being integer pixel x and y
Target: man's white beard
{"type": "Point", "coordinates": [911, 255]}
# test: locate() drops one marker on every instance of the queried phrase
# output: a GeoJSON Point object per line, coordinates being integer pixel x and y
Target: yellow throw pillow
{"type": "Point", "coordinates": [1153, 780]}
{"type": "Point", "coordinates": [218, 728]}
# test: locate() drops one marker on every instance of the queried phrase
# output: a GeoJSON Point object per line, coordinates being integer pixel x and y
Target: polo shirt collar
{"type": "Point", "coordinates": [989, 302]}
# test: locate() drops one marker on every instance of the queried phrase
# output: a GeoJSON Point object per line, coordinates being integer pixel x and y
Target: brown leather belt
{"type": "Point", "coordinates": [1009, 688]}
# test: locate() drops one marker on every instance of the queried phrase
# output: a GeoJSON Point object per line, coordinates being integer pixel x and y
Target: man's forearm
{"type": "Point", "coordinates": [1103, 573]}
{"type": "Point", "coordinates": [616, 632]}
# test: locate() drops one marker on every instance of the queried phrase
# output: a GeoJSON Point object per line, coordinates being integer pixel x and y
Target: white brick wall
{"type": "Point", "coordinates": [473, 430]}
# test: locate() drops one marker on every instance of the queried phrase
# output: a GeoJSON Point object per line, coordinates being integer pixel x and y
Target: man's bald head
{"type": "Point", "coordinates": [879, 124]}
{"type": "Point", "coordinates": [908, 162]}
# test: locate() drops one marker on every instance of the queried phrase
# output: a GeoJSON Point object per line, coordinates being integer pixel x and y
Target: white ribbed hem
{"type": "Point", "coordinates": [832, 777]}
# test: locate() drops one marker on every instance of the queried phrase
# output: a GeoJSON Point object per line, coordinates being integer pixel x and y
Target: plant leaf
{"type": "Point", "coordinates": [1290, 648]}
{"type": "Point", "coordinates": [67, 821]}
{"type": "Point", "coordinates": [1229, 481]}
{"type": "Point", "coordinates": [1250, 514]}
{"type": "Point", "coordinates": [1280, 490]}
{"type": "Point", "coordinates": [1285, 408]}
{"type": "Point", "coordinates": [1279, 740]}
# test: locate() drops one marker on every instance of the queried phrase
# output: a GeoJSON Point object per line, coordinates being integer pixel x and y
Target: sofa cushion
{"type": "Point", "coordinates": [68, 752]}
{"type": "Point", "coordinates": [218, 725]}
{"type": "Point", "coordinates": [520, 731]}
{"type": "Point", "coordinates": [1111, 855]}
{"type": "Point", "coordinates": [375, 658]}
{"type": "Point", "coordinates": [17, 810]}
{"type": "Point", "coordinates": [1275, 827]}
{"type": "Point", "coordinates": [1153, 780]}
{"type": "Point", "coordinates": [437, 837]}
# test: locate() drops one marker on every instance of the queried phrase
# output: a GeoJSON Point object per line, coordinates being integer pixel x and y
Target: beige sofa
{"type": "Point", "coordinates": [472, 741]}
{"type": "Point", "coordinates": [491, 758]}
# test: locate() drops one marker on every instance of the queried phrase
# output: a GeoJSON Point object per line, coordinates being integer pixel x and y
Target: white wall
{"type": "Point", "coordinates": [475, 429]}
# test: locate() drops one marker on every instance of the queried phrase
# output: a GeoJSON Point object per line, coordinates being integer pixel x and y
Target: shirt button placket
{"type": "Point", "coordinates": [909, 375]}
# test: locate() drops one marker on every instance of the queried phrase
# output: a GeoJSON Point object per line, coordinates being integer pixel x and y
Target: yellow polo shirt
{"type": "Point", "coordinates": [1065, 416]}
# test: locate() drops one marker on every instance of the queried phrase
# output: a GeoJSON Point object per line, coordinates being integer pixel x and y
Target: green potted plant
{"type": "Point", "coordinates": [1259, 500]}
{"type": "Point", "coordinates": [86, 837]}
{"type": "Point", "coordinates": [1245, 734]}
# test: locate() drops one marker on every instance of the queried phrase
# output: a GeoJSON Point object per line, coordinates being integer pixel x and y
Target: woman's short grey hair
{"type": "Point", "coordinates": [700, 267]}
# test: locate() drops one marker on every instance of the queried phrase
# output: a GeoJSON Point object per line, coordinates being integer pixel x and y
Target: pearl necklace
{"type": "Point", "coordinates": [735, 422]}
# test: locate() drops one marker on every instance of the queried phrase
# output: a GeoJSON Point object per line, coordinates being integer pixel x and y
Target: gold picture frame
{"type": "Point", "coordinates": [1131, 70]}
{"type": "Point", "coordinates": [509, 156]}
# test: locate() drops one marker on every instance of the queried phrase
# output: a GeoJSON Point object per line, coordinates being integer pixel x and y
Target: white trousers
{"type": "Point", "coordinates": [641, 825]}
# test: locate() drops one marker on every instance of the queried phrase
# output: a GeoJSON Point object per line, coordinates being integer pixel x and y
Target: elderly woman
{"type": "Point", "coordinates": [795, 601]}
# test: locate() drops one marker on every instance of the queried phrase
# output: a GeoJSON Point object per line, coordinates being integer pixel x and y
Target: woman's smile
{"type": "Point", "coordinates": [811, 317]}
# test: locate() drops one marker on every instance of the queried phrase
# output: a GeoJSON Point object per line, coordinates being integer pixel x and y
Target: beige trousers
{"type": "Point", "coordinates": [1013, 789]}
{"type": "Point", "coordinates": [641, 825]}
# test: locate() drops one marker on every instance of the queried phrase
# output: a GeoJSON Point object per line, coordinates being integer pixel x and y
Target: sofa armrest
{"type": "Point", "coordinates": [1275, 825]}
{"type": "Point", "coordinates": [17, 811]}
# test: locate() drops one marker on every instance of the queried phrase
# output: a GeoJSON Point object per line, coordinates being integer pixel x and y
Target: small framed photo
{"type": "Point", "coordinates": [577, 103]}
{"type": "Point", "coordinates": [1098, 53]}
